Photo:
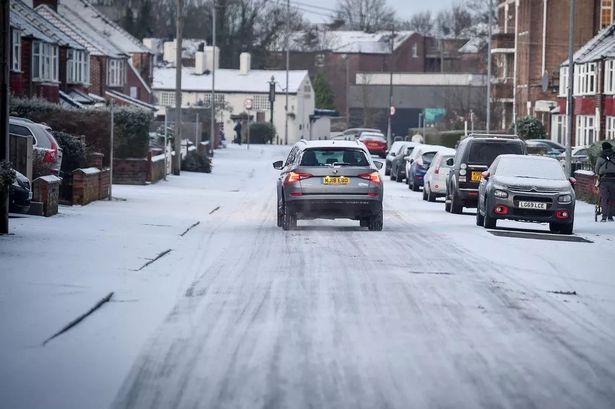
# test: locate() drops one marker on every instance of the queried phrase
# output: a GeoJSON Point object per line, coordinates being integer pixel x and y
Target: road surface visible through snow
{"type": "Point", "coordinates": [432, 312]}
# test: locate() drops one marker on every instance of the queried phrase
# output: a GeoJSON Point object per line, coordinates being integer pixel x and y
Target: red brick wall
{"type": "Point", "coordinates": [98, 75]}
{"type": "Point", "coordinates": [133, 81]}
{"type": "Point", "coordinates": [586, 186]}
{"type": "Point", "coordinates": [130, 171]}
{"type": "Point", "coordinates": [86, 187]}
{"type": "Point", "coordinates": [584, 105]}
{"type": "Point", "coordinates": [48, 193]}
{"type": "Point", "coordinates": [104, 181]}
{"type": "Point", "coordinates": [62, 68]}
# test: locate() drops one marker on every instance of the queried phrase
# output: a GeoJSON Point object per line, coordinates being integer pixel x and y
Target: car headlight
{"type": "Point", "coordinates": [502, 194]}
{"type": "Point", "coordinates": [564, 199]}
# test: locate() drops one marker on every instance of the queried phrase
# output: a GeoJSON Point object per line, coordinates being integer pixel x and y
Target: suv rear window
{"type": "Point", "coordinates": [483, 152]}
{"type": "Point", "coordinates": [324, 157]}
{"type": "Point", "coordinates": [372, 136]}
{"type": "Point", "coordinates": [428, 156]}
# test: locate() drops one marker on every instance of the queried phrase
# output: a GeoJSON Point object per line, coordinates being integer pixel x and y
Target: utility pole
{"type": "Point", "coordinates": [390, 111]}
{"type": "Point", "coordinates": [212, 132]}
{"type": "Point", "coordinates": [287, 69]}
{"type": "Point", "coordinates": [166, 136]}
{"type": "Point", "coordinates": [5, 30]}
{"type": "Point", "coordinates": [271, 98]}
{"type": "Point", "coordinates": [489, 66]}
{"type": "Point", "coordinates": [179, 22]}
{"type": "Point", "coordinates": [514, 107]}
{"type": "Point", "coordinates": [569, 94]}
{"type": "Point", "coordinates": [112, 103]}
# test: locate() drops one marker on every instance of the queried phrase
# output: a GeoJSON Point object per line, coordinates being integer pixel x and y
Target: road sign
{"type": "Point", "coordinates": [247, 104]}
{"type": "Point", "coordinates": [392, 111]}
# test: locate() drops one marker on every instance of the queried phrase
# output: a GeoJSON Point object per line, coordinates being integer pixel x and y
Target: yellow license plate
{"type": "Point", "coordinates": [336, 180]}
{"type": "Point", "coordinates": [477, 176]}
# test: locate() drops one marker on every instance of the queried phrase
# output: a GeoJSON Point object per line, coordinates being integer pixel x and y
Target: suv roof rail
{"type": "Point", "coordinates": [493, 135]}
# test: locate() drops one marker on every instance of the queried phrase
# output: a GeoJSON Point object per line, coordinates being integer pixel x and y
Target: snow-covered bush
{"type": "Point", "coordinates": [73, 152]}
{"type": "Point", "coordinates": [530, 128]}
{"type": "Point", "coordinates": [261, 133]}
{"type": "Point", "coordinates": [7, 176]}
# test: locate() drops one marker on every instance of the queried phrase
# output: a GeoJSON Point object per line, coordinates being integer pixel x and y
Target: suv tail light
{"type": "Point", "coordinates": [372, 177]}
{"type": "Point", "coordinates": [297, 176]}
{"type": "Point", "coordinates": [52, 154]}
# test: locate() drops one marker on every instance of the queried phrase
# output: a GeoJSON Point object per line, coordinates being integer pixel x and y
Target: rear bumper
{"type": "Point", "coordinates": [358, 207]}
{"type": "Point", "coordinates": [469, 197]}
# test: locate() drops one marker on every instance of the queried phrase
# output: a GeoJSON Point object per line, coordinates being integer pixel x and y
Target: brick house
{"type": "Point", "coordinates": [42, 56]}
{"type": "Point", "coordinates": [593, 91]}
{"type": "Point", "coordinates": [528, 48]}
{"type": "Point", "coordinates": [344, 54]}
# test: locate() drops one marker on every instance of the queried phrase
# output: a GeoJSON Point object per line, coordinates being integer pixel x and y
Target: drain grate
{"type": "Point", "coordinates": [539, 236]}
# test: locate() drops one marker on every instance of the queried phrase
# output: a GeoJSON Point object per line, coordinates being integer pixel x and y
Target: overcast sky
{"type": "Point", "coordinates": [404, 8]}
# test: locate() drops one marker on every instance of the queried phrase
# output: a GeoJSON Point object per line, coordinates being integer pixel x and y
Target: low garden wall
{"type": "Point", "coordinates": [131, 171]}
{"type": "Point", "coordinates": [157, 168]}
{"type": "Point", "coordinates": [46, 190]}
{"type": "Point", "coordinates": [86, 185]}
{"type": "Point", "coordinates": [585, 187]}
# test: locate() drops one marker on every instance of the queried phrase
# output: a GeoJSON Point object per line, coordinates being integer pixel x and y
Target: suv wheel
{"type": "Point", "coordinates": [456, 207]}
{"type": "Point", "coordinates": [561, 228]}
{"type": "Point", "coordinates": [424, 194]}
{"type": "Point", "coordinates": [289, 221]}
{"type": "Point", "coordinates": [399, 177]}
{"type": "Point", "coordinates": [387, 169]}
{"type": "Point", "coordinates": [375, 221]}
{"type": "Point", "coordinates": [431, 197]}
{"type": "Point", "coordinates": [415, 186]}
{"type": "Point", "coordinates": [480, 219]}
{"type": "Point", "coordinates": [392, 174]}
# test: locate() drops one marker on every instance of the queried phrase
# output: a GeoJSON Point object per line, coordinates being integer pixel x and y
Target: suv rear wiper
{"type": "Point", "coordinates": [339, 164]}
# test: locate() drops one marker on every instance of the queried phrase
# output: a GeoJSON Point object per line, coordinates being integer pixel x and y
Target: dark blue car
{"type": "Point", "coordinates": [419, 163]}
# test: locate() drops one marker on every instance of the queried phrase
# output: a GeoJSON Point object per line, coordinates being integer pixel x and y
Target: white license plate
{"type": "Point", "coordinates": [533, 205]}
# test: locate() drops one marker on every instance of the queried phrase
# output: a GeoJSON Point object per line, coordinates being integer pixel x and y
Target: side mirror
{"type": "Point", "coordinates": [572, 180]}
{"type": "Point", "coordinates": [378, 165]}
{"type": "Point", "coordinates": [450, 162]}
{"type": "Point", "coordinates": [486, 175]}
{"type": "Point", "coordinates": [278, 165]}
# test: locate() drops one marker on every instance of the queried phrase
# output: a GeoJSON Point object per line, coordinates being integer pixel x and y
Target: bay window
{"type": "Point", "coordinates": [609, 77]}
{"type": "Point", "coordinates": [78, 67]}
{"type": "Point", "coordinates": [563, 81]}
{"type": "Point", "coordinates": [15, 50]}
{"type": "Point", "coordinates": [585, 82]}
{"type": "Point", "coordinates": [586, 130]}
{"type": "Point", "coordinates": [44, 61]}
{"type": "Point", "coordinates": [610, 127]}
{"type": "Point", "coordinates": [116, 73]}
{"type": "Point", "coordinates": [559, 126]}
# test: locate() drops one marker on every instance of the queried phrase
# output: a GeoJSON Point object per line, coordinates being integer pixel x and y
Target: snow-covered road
{"type": "Point", "coordinates": [432, 312]}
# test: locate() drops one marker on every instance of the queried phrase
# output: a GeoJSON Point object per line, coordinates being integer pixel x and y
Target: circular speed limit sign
{"type": "Point", "coordinates": [247, 104]}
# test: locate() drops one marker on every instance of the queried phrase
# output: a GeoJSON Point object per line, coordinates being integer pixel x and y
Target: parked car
{"type": "Point", "coordinates": [541, 148]}
{"type": "Point", "coordinates": [398, 167]}
{"type": "Point", "coordinates": [434, 182]}
{"type": "Point", "coordinates": [329, 179]}
{"type": "Point", "coordinates": [419, 162]}
{"type": "Point", "coordinates": [474, 156]}
{"type": "Point", "coordinates": [376, 143]}
{"type": "Point", "coordinates": [20, 194]}
{"type": "Point", "coordinates": [43, 142]}
{"type": "Point", "coordinates": [529, 189]}
{"type": "Point", "coordinates": [354, 133]}
{"type": "Point", "coordinates": [580, 154]}
{"type": "Point", "coordinates": [552, 144]}
{"type": "Point", "coordinates": [392, 151]}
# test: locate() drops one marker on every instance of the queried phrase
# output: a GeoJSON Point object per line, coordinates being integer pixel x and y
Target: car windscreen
{"type": "Point", "coordinates": [484, 153]}
{"type": "Point", "coordinates": [525, 167]}
{"type": "Point", "coordinates": [331, 156]}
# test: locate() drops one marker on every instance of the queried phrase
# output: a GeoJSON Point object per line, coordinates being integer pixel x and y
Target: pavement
{"type": "Point", "coordinates": [213, 306]}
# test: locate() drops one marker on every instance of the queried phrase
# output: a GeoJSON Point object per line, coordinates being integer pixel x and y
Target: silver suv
{"type": "Point", "coordinates": [44, 144]}
{"type": "Point", "coordinates": [329, 180]}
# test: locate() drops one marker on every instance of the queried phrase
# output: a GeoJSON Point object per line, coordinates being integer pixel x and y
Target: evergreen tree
{"type": "Point", "coordinates": [324, 93]}
{"type": "Point", "coordinates": [128, 22]}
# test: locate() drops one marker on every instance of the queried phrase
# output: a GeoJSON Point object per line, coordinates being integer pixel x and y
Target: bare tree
{"type": "Point", "coordinates": [454, 22]}
{"type": "Point", "coordinates": [422, 23]}
{"type": "Point", "coordinates": [365, 15]}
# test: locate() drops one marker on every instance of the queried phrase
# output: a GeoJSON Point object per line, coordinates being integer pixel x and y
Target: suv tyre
{"type": "Point", "coordinates": [376, 221]}
{"type": "Point", "coordinates": [289, 221]}
{"type": "Point", "coordinates": [456, 207]}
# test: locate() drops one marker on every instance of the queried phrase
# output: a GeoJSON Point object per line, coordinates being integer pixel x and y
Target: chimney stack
{"type": "Point", "coordinates": [53, 4]}
{"type": "Point", "coordinates": [200, 60]}
{"type": "Point", "coordinates": [245, 60]}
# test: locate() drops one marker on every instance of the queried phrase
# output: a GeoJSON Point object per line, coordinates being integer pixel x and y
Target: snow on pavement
{"type": "Point", "coordinates": [431, 312]}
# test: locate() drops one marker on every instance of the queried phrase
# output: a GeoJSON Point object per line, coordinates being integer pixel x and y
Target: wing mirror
{"type": "Point", "coordinates": [572, 180]}
{"type": "Point", "coordinates": [378, 165]}
{"type": "Point", "coordinates": [278, 165]}
{"type": "Point", "coordinates": [450, 162]}
{"type": "Point", "coordinates": [486, 175]}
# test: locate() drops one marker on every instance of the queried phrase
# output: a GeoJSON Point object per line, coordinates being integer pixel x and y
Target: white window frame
{"type": "Point", "coordinates": [116, 72]}
{"type": "Point", "coordinates": [585, 79]}
{"type": "Point", "coordinates": [609, 127]}
{"type": "Point", "coordinates": [45, 60]}
{"type": "Point", "coordinates": [166, 98]}
{"type": "Point", "coordinates": [15, 50]}
{"type": "Point", "coordinates": [586, 130]}
{"type": "Point", "coordinates": [609, 77]}
{"type": "Point", "coordinates": [559, 127]}
{"type": "Point", "coordinates": [260, 103]}
{"type": "Point", "coordinates": [563, 81]}
{"type": "Point", "coordinates": [78, 67]}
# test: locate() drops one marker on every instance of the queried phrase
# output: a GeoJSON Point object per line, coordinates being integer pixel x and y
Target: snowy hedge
{"type": "Point", "coordinates": [131, 125]}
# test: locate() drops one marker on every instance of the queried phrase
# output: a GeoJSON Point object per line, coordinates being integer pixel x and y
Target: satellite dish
{"type": "Point", "coordinates": [545, 81]}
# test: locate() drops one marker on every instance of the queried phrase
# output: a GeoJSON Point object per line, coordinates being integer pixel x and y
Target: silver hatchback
{"type": "Point", "coordinates": [329, 180]}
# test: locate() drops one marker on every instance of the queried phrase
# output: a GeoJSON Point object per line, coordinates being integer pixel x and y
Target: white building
{"type": "Point", "coordinates": [233, 87]}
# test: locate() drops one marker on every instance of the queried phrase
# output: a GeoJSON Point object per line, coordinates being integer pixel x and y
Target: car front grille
{"type": "Point", "coordinates": [535, 189]}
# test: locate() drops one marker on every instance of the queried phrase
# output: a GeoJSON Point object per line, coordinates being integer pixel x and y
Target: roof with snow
{"type": "Point", "coordinates": [97, 21]}
{"type": "Point", "coordinates": [35, 25]}
{"type": "Point", "coordinates": [255, 81]}
{"type": "Point", "coordinates": [344, 41]}
{"type": "Point", "coordinates": [473, 46]}
{"type": "Point", "coordinates": [95, 44]}
{"type": "Point", "coordinates": [599, 47]}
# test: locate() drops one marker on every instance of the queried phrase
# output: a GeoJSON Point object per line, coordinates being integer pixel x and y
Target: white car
{"type": "Point", "coordinates": [434, 182]}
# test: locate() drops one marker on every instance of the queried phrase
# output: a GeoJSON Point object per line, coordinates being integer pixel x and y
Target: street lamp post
{"type": "Point", "coordinates": [489, 66]}
{"type": "Point", "coordinates": [287, 70]}
{"type": "Point", "coordinates": [111, 151]}
{"type": "Point", "coordinates": [5, 31]}
{"type": "Point", "coordinates": [177, 160]}
{"type": "Point", "coordinates": [569, 98]}
{"type": "Point", "coordinates": [212, 135]}
{"type": "Point", "coordinates": [390, 111]}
